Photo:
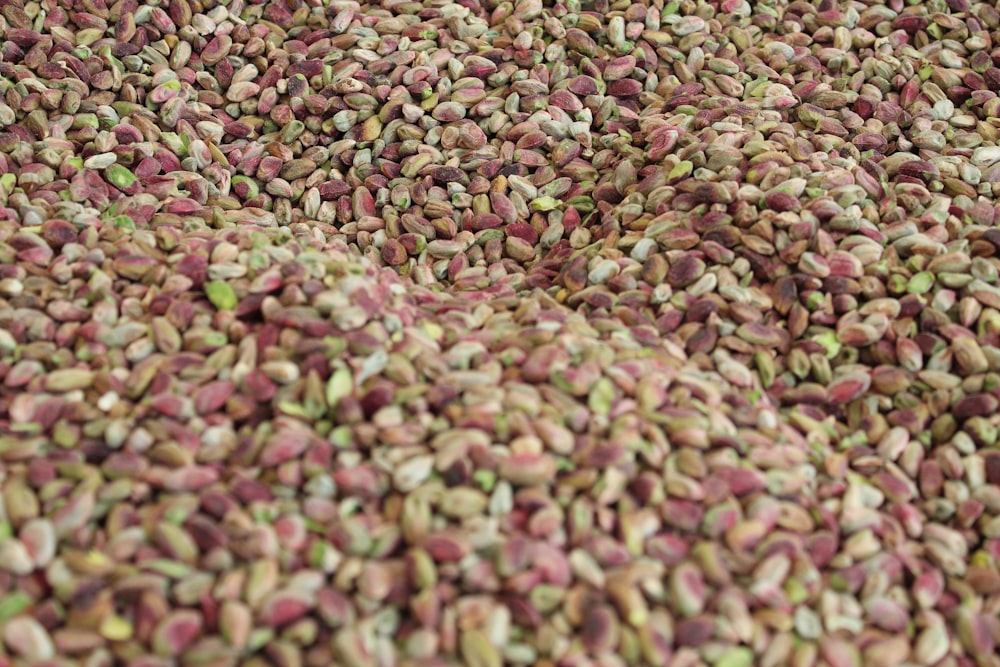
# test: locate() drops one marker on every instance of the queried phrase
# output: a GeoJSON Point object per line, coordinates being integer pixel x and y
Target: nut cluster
{"type": "Point", "coordinates": [556, 333]}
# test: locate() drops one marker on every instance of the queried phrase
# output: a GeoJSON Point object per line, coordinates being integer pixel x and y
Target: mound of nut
{"type": "Point", "coordinates": [565, 333]}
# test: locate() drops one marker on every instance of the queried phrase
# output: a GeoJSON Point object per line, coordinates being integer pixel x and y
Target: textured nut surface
{"type": "Point", "coordinates": [428, 333]}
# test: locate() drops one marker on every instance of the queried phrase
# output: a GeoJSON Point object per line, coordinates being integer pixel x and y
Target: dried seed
{"type": "Point", "coordinates": [27, 638]}
{"type": "Point", "coordinates": [68, 379]}
{"type": "Point", "coordinates": [478, 651]}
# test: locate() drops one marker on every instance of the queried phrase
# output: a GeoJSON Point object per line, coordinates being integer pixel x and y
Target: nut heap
{"type": "Point", "coordinates": [568, 333]}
